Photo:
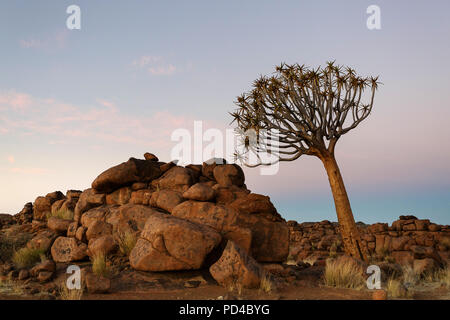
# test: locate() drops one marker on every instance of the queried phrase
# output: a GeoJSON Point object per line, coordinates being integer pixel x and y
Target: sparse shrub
{"type": "Point", "coordinates": [61, 214]}
{"type": "Point", "coordinates": [410, 277]}
{"type": "Point", "coordinates": [310, 259]}
{"type": "Point", "coordinates": [100, 265]}
{"type": "Point", "coordinates": [70, 294]}
{"type": "Point", "coordinates": [27, 257]}
{"type": "Point", "coordinates": [266, 284]}
{"type": "Point", "coordinates": [344, 272]}
{"type": "Point", "coordinates": [396, 289]}
{"type": "Point", "coordinates": [9, 243]}
{"type": "Point", "coordinates": [127, 241]}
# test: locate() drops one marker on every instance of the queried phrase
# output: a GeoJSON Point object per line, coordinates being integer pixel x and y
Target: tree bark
{"type": "Point", "coordinates": [349, 231]}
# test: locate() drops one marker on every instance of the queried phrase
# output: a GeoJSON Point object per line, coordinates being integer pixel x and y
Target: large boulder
{"type": "Point", "coordinates": [102, 245]}
{"type": "Point", "coordinates": [41, 208]}
{"type": "Point", "coordinates": [88, 199]}
{"type": "Point", "coordinates": [166, 199]}
{"type": "Point", "coordinates": [97, 283]}
{"type": "Point", "coordinates": [125, 174]}
{"type": "Point", "coordinates": [98, 229]}
{"type": "Point", "coordinates": [236, 267]}
{"type": "Point", "coordinates": [58, 225]}
{"type": "Point", "coordinates": [120, 196]}
{"type": "Point", "coordinates": [200, 192]}
{"type": "Point", "coordinates": [229, 174]}
{"type": "Point", "coordinates": [169, 243]}
{"type": "Point", "coordinates": [269, 233]}
{"type": "Point", "coordinates": [129, 218]}
{"type": "Point", "coordinates": [177, 179]}
{"type": "Point", "coordinates": [67, 250]}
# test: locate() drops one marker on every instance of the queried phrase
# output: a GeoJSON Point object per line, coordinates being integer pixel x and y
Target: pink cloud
{"type": "Point", "coordinates": [55, 40]}
{"type": "Point", "coordinates": [11, 159]}
{"type": "Point", "coordinates": [155, 65]}
{"type": "Point", "coordinates": [102, 121]}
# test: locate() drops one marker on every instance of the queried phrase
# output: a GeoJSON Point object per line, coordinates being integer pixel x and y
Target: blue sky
{"type": "Point", "coordinates": [75, 102]}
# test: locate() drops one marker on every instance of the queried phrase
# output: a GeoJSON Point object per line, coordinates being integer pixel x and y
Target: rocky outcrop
{"type": "Point", "coordinates": [236, 267]}
{"type": "Point", "coordinates": [126, 173]}
{"type": "Point", "coordinates": [170, 243]}
{"type": "Point", "coordinates": [408, 240]}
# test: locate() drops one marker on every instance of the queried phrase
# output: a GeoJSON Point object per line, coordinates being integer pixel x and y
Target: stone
{"type": "Point", "coordinates": [254, 203]}
{"type": "Point", "coordinates": [200, 192]}
{"type": "Point", "coordinates": [25, 215]}
{"type": "Point", "coordinates": [169, 243]}
{"type": "Point", "coordinates": [379, 295]}
{"type": "Point", "coordinates": [270, 239]}
{"type": "Point", "coordinates": [150, 157]}
{"type": "Point", "coordinates": [102, 245]}
{"type": "Point", "coordinates": [177, 179]}
{"type": "Point", "coordinates": [98, 229]}
{"type": "Point", "coordinates": [130, 218]}
{"type": "Point", "coordinates": [23, 274]}
{"type": "Point", "coordinates": [166, 199]}
{"type": "Point", "coordinates": [209, 165]}
{"type": "Point", "coordinates": [229, 174]}
{"type": "Point", "coordinates": [422, 225]}
{"type": "Point", "coordinates": [42, 240]}
{"type": "Point", "coordinates": [434, 227]}
{"type": "Point", "coordinates": [58, 225]}
{"type": "Point", "coordinates": [96, 283]}
{"type": "Point", "coordinates": [67, 250]}
{"type": "Point", "coordinates": [44, 276]}
{"type": "Point", "coordinates": [398, 244]}
{"type": "Point", "coordinates": [80, 235]}
{"type": "Point", "coordinates": [141, 196]}
{"type": "Point", "coordinates": [378, 227]}
{"type": "Point", "coordinates": [88, 199]}
{"type": "Point", "coordinates": [120, 196]}
{"type": "Point", "coordinates": [56, 206]}
{"type": "Point", "coordinates": [72, 229]}
{"type": "Point", "coordinates": [126, 173]}
{"type": "Point", "coordinates": [41, 208]}
{"type": "Point", "coordinates": [95, 214]}
{"type": "Point", "coordinates": [235, 266]}
{"type": "Point", "coordinates": [408, 217]}
{"type": "Point", "coordinates": [139, 186]}
{"type": "Point", "coordinates": [47, 266]}
{"type": "Point", "coordinates": [225, 195]}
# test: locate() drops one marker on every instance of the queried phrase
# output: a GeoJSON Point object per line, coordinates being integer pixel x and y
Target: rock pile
{"type": "Point", "coordinates": [409, 240]}
{"type": "Point", "coordinates": [184, 218]}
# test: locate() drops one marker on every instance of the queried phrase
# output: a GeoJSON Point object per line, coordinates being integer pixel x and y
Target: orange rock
{"type": "Point", "coordinates": [379, 295]}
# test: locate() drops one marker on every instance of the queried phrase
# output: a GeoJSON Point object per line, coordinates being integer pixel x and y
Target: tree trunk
{"type": "Point", "coordinates": [349, 231]}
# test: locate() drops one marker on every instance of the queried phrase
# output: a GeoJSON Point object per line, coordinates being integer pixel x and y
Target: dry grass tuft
{"type": "Point", "coordinates": [27, 257]}
{"type": "Point", "coordinates": [396, 289]}
{"type": "Point", "coordinates": [127, 241]}
{"type": "Point", "coordinates": [344, 273]}
{"type": "Point", "coordinates": [70, 294]}
{"type": "Point", "coordinates": [266, 284]}
{"type": "Point", "coordinates": [100, 265]}
{"type": "Point", "coordinates": [61, 214]}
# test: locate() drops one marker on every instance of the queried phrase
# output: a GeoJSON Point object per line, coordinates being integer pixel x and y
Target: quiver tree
{"type": "Point", "coordinates": [307, 111]}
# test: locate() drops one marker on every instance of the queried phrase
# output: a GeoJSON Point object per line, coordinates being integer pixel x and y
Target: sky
{"type": "Point", "coordinates": [76, 102]}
